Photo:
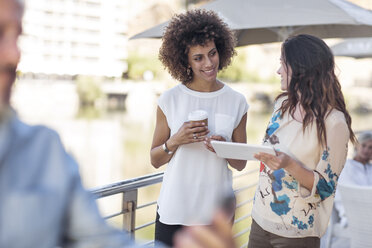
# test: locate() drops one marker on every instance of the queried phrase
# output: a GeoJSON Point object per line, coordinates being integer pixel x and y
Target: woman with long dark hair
{"type": "Point", "coordinates": [309, 129]}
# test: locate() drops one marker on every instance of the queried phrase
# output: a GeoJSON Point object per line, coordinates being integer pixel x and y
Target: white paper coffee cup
{"type": "Point", "coordinates": [199, 115]}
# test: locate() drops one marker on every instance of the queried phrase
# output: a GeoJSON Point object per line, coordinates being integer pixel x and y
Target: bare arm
{"type": "Point", "coordinates": [184, 135]}
{"type": "Point", "coordinates": [161, 134]}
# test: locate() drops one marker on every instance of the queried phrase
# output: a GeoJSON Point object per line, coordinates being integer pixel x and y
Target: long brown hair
{"type": "Point", "coordinates": [313, 83]}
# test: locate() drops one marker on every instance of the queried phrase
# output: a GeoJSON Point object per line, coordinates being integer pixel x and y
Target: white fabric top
{"type": "Point", "coordinates": [195, 178]}
{"type": "Point", "coordinates": [354, 173]}
{"type": "Point", "coordinates": [284, 207]}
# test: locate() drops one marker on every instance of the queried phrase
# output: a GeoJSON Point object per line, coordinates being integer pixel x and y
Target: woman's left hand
{"type": "Point", "coordinates": [281, 160]}
{"type": "Point", "coordinates": [207, 141]}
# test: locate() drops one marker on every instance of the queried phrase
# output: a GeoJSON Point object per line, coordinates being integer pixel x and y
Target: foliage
{"type": "Point", "coordinates": [238, 71]}
{"type": "Point", "coordinates": [139, 64]}
{"type": "Point", "coordinates": [89, 112]}
{"type": "Point", "coordinates": [88, 90]}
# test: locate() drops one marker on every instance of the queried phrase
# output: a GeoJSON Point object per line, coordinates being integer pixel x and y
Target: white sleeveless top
{"type": "Point", "coordinates": [196, 179]}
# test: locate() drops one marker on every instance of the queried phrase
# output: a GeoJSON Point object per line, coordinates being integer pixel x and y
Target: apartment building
{"type": "Point", "coordinates": [74, 37]}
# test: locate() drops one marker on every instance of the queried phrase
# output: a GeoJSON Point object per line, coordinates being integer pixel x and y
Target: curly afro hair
{"type": "Point", "coordinates": [195, 27]}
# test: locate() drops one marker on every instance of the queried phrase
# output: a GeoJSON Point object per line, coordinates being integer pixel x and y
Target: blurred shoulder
{"type": "Point", "coordinates": [26, 131]}
{"type": "Point", "coordinates": [234, 93]}
{"type": "Point", "coordinates": [335, 118]}
{"type": "Point", "coordinates": [279, 101]}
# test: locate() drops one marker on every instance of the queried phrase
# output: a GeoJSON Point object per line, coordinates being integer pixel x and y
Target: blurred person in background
{"type": "Point", "coordinates": [357, 171]}
{"type": "Point", "coordinates": [195, 46]}
{"type": "Point", "coordinates": [43, 203]}
{"type": "Point", "coordinates": [309, 129]}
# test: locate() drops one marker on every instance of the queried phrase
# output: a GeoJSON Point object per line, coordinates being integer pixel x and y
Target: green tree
{"type": "Point", "coordinates": [88, 90]}
{"type": "Point", "coordinates": [237, 71]}
{"type": "Point", "coordinates": [138, 64]}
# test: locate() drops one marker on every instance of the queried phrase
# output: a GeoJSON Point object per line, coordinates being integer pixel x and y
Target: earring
{"type": "Point", "coordinates": [188, 71]}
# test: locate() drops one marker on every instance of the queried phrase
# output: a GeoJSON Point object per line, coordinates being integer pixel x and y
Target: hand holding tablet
{"type": "Point", "coordinates": [240, 151]}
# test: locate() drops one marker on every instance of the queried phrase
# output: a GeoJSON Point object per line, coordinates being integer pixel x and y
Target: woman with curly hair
{"type": "Point", "coordinates": [195, 46]}
{"type": "Point", "coordinates": [309, 129]}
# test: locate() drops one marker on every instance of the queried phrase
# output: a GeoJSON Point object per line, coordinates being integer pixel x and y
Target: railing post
{"type": "Point", "coordinates": [129, 209]}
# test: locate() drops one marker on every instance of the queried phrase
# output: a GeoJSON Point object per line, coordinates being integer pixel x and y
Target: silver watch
{"type": "Point", "coordinates": [165, 148]}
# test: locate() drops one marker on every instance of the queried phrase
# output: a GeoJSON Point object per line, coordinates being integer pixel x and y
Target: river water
{"type": "Point", "coordinates": [114, 145]}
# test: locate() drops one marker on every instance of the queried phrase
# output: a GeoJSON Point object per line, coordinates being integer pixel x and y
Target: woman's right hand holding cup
{"type": "Point", "coordinates": [190, 132]}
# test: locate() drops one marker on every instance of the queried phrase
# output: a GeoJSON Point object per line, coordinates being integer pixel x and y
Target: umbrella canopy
{"type": "Point", "coordinates": [356, 48]}
{"type": "Point", "coordinates": [265, 21]}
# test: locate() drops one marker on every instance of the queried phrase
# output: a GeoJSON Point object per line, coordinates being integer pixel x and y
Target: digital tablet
{"type": "Point", "coordinates": [239, 150]}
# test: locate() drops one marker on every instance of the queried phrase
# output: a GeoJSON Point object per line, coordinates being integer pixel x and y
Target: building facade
{"type": "Point", "coordinates": [74, 37]}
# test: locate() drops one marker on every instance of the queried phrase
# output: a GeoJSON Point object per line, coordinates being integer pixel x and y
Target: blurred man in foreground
{"type": "Point", "coordinates": [43, 203]}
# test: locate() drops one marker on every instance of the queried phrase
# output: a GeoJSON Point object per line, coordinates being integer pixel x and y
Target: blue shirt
{"type": "Point", "coordinates": [43, 203]}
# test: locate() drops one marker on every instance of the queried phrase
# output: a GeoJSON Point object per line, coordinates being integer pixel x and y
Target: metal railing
{"type": "Point", "coordinates": [128, 190]}
{"type": "Point", "coordinates": [129, 199]}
